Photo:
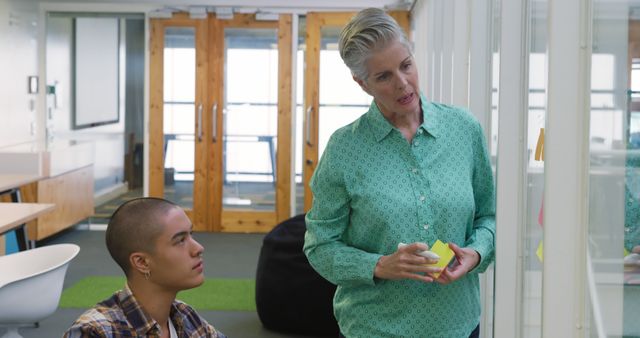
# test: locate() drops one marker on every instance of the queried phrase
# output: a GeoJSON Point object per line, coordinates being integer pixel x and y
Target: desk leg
{"type": "Point", "coordinates": [21, 234]}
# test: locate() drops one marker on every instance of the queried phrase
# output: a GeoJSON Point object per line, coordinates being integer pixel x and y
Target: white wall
{"type": "Point", "coordinates": [18, 60]}
{"type": "Point", "coordinates": [108, 139]}
{"type": "Point", "coordinates": [19, 29]}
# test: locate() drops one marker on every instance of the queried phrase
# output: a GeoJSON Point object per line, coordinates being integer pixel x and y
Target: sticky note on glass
{"type": "Point", "coordinates": [446, 255]}
{"type": "Point", "coordinates": [539, 251]}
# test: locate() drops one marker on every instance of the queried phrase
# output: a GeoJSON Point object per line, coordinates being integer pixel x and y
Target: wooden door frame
{"type": "Point", "coordinates": [198, 214]}
{"type": "Point", "coordinates": [315, 21]}
{"type": "Point", "coordinates": [251, 220]}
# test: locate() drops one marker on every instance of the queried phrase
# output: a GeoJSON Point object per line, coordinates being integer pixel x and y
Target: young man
{"type": "Point", "coordinates": [150, 239]}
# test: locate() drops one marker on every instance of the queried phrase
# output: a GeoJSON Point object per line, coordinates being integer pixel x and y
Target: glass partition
{"type": "Point", "coordinates": [488, 306]}
{"type": "Point", "coordinates": [495, 79]}
{"type": "Point", "coordinates": [614, 177]}
{"type": "Point", "coordinates": [533, 230]}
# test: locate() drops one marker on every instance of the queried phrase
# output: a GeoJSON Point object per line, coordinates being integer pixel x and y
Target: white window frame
{"type": "Point", "coordinates": [511, 168]}
{"type": "Point", "coordinates": [566, 180]}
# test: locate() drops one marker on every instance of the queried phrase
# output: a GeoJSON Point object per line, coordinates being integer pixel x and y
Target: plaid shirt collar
{"type": "Point", "coordinates": [136, 315]}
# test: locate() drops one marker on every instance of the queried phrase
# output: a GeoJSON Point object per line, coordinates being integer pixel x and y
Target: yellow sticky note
{"type": "Point", "coordinates": [446, 254]}
{"type": "Point", "coordinates": [539, 252]}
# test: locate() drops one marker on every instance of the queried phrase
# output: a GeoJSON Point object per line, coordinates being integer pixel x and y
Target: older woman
{"type": "Point", "coordinates": [409, 170]}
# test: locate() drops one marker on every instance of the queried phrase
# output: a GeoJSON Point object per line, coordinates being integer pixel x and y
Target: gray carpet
{"type": "Point", "coordinates": [226, 256]}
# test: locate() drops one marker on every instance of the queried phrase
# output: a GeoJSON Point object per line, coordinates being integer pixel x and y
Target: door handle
{"type": "Point", "coordinates": [214, 124]}
{"type": "Point", "coordinates": [200, 122]}
{"type": "Point", "coordinates": [307, 121]}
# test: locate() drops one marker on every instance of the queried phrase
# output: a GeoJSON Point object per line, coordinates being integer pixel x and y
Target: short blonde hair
{"type": "Point", "coordinates": [370, 30]}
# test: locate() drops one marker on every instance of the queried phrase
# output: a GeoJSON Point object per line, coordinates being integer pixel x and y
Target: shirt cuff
{"type": "Point", "coordinates": [486, 257]}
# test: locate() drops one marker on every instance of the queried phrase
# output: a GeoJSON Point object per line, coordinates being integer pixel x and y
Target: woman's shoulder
{"type": "Point", "coordinates": [457, 111]}
{"type": "Point", "coordinates": [348, 141]}
{"type": "Point", "coordinates": [349, 133]}
{"type": "Point", "coordinates": [454, 114]}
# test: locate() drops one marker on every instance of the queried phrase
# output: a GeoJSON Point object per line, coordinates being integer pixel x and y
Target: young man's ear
{"type": "Point", "coordinates": [362, 84]}
{"type": "Point", "coordinates": [139, 261]}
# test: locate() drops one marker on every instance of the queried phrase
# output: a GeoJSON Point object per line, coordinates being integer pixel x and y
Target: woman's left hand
{"type": "Point", "coordinates": [466, 260]}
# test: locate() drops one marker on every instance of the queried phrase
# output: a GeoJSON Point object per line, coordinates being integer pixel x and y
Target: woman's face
{"type": "Point", "coordinates": [393, 80]}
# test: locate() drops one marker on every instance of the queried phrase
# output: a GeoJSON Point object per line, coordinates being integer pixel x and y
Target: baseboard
{"type": "Point", "coordinates": [107, 194]}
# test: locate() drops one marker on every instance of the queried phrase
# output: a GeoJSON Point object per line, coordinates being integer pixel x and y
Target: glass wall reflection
{"type": "Point", "coordinates": [614, 208]}
{"type": "Point", "coordinates": [533, 239]}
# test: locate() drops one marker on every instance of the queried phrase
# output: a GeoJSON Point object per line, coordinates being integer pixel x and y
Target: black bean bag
{"type": "Point", "coordinates": [291, 297]}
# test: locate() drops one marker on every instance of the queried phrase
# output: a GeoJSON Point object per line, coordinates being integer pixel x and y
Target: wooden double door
{"type": "Point", "coordinates": [219, 124]}
{"type": "Point", "coordinates": [221, 114]}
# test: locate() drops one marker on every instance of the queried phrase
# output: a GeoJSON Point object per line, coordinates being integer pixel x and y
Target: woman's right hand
{"type": "Point", "coordinates": [405, 263]}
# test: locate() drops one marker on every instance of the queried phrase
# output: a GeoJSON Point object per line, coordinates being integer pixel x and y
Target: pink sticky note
{"type": "Point", "coordinates": [541, 213]}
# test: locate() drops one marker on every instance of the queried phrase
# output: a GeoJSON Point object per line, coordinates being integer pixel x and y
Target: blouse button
{"type": "Point", "coordinates": [426, 226]}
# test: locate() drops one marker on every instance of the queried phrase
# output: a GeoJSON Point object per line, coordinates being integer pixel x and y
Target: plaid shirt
{"type": "Point", "coordinates": [122, 316]}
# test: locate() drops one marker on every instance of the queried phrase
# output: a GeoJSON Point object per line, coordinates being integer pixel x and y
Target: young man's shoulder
{"type": "Point", "coordinates": [105, 319]}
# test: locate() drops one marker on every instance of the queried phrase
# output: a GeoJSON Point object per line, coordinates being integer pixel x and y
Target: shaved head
{"type": "Point", "coordinates": [134, 227]}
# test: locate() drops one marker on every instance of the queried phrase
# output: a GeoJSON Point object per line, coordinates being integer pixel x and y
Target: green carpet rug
{"type": "Point", "coordinates": [214, 294]}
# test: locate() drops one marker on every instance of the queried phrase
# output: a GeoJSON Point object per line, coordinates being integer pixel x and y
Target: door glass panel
{"type": "Point", "coordinates": [342, 100]}
{"type": "Point", "coordinates": [179, 114]}
{"type": "Point", "coordinates": [533, 240]}
{"type": "Point", "coordinates": [250, 118]}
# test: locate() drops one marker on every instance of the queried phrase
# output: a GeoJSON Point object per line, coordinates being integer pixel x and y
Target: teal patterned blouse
{"type": "Point", "coordinates": [372, 189]}
{"type": "Point", "coordinates": [632, 195]}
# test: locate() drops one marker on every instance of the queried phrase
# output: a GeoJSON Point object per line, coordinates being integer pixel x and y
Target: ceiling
{"type": "Point", "coordinates": [261, 5]}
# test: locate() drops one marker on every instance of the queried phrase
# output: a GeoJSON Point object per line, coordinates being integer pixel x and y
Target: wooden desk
{"type": "Point", "coordinates": [15, 215]}
{"type": "Point", "coordinates": [8, 182]}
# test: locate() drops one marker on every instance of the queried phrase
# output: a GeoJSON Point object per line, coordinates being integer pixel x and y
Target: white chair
{"type": "Point", "coordinates": [31, 283]}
